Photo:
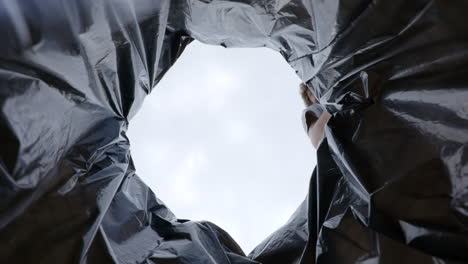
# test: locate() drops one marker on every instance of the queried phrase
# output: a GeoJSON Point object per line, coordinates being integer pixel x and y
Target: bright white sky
{"type": "Point", "coordinates": [221, 139]}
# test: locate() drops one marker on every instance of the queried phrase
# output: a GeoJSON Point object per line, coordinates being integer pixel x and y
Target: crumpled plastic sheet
{"type": "Point", "coordinates": [392, 175]}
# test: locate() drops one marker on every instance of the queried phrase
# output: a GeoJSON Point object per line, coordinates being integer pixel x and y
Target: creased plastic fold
{"type": "Point", "coordinates": [391, 184]}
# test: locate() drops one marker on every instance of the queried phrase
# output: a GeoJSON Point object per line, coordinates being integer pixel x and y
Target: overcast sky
{"type": "Point", "coordinates": [221, 139]}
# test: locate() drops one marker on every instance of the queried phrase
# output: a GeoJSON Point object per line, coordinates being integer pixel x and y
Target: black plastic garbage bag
{"type": "Point", "coordinates": [391, 184]}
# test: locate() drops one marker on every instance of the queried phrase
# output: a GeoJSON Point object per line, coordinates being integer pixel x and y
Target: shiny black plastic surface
{"type": "Point", "coordinates": [391, 184]}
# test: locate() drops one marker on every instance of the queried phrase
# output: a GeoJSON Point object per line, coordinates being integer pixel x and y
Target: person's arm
{"type": "Point", "coordinates": [316, 117]}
